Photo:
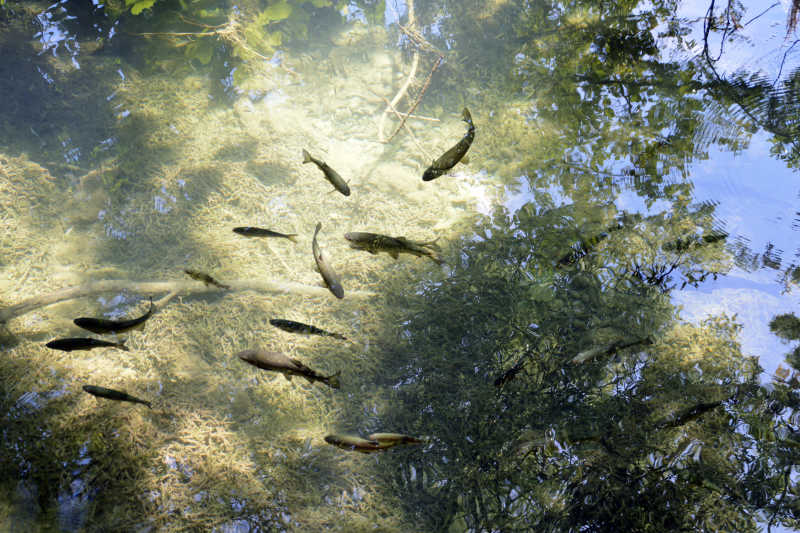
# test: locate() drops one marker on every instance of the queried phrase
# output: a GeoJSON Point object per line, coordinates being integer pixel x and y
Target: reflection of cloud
{"type": "Point", "coordinates": [753, 308]}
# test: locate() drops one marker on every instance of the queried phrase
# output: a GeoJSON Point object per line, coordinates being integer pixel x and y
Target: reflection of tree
{"type": "Point", "coordinates": [559, 389]}
{"type": "Point", "coordinates": [656, 434]}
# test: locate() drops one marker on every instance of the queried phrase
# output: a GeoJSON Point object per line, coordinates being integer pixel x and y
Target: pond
{"type": "Point", "coordinates": [524, 266]}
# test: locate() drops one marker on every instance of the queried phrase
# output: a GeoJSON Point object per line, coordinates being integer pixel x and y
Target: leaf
{"type": "Point", "coordinates": [278, 11]}
{"type": "Point", "coordinates": [202, 51]}
{"type": "Point", "coordinates": [140, 5]}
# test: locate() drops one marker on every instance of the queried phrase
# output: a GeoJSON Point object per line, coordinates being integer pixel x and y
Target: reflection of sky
{"type": "Point", "coordinates": [757, 194]}
{"type": "Point", "coordinates": [757, 199]}
{"type": "Point", "coordinates": [764, 37]}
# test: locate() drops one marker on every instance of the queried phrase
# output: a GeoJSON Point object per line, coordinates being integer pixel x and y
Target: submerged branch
{"type": "Point", "coordinates": [150, 287]}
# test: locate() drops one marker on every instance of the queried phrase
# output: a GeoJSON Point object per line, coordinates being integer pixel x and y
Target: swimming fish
{"type": "Point", "coordinates": [357, 444]}
{"type": "Point", "coordinates": [250, 231]}
{"type": "Point", "coordinates": [455, 154]}
{"type": "Point", "coordinates": [288, 366]}
{"type": "Point", "coordinates": [325, 270]}
{"type": "Point", "coordinates": [112, 394]}
{"type": "Point", "coordinates": [298, 327]}
{"type": "Point", "coordinates": [101, 325]}
{"type": "Point", "coordinates": [330, 174]}
{"type": "Point", "coordinates": [205, 278]}
{"type": "Point", "coordinates": [374, 243]}
{"type": "Point", "coordinates": [84, 343]}
{"type": "Point", "coordinates": [394, 438]}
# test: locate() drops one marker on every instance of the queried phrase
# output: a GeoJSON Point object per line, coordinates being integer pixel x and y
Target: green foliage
{"type": "Point", "coordinates": [137, 6]}
{"type": "Point", "coordinates": [786, 326]}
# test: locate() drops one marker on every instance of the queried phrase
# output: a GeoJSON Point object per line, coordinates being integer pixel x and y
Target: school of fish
{"type": "Point", "coordinates": [276, 361]}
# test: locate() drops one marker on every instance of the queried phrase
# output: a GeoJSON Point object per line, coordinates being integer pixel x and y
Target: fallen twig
{"type": "Point", "coordinates": [172, 287]}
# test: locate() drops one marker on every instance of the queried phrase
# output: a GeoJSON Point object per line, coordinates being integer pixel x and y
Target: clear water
{"type": "Point", "coordinates": [595, 353]}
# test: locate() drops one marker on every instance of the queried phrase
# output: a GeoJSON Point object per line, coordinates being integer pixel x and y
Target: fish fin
{"type": "Point", "coordinates": [121, 345]}
{"type": "Point", "coordinates": [306, 156]}
{"type": "Point", "coordinates": [465, 160]}
{"type": "Point", "coordinates": [292, 237]}
{"type": "Point", "coordinates": [288, 377]}
{"type": "Point", "coordinates": [333, 380]}
{"type": "Point", "coordinates": [394, 254]}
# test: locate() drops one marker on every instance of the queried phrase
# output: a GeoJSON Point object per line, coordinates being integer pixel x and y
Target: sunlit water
{"type": "Point", "coordinates": [133, 157]}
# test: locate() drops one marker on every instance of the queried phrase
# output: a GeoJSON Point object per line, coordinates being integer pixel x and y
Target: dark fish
{"type": "Point", "coordinates": [585, 246]}
{"type": "Point", "coordinates": [249, 231]}
{"type": "Point", "coordinates": [101, 325]}
{"type": "Point", "coordinates": [205, 278]}
{"type": "Point", "coordinates": [357, 444]}
{"type": "Point", "coordinates": [288, 366]}
{"type": "Point", "coordinates": [393, 438]}
{"type": "Point", "coordinates": [374, 243]}
{"type": "Point", "coordinates": [509, 374]}
{"type": "Point", "coordinates": [609, 349]}
{"type": "Point", "coordinates": [82, 343]}
{"type": "Point", "coordinates": [455, 154]}
{"type": "Point", "coordinates": [582, 249]}
{"type": "Point", "coordinates": [298, 327]}
{"type": "Point", "coordinates": [328, 275]}
{"type": "Point", "coordinates": [330, 174]}
{"type": "Point", "coordinates": [112, 394]}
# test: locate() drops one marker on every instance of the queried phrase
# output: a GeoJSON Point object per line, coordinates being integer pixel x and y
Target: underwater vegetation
{"type": "Point", "coordinates": [541, 375]}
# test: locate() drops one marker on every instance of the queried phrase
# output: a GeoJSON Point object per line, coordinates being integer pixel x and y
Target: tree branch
{"type": "Point", "coordinates": [151, 287]}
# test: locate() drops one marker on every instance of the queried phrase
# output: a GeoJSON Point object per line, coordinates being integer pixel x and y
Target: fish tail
{"type": "Point", "coordinates": [339, 336]}
{"type": "Point", "coordinates": [432, 244]}
{"type": "Point", "coordinates": [292, 237]}
{"type": "Point", "coordinates": [333, 380]}
{"type": "Point", "coordinates": [436, 257]}
{"type": "Point", "coordinates": [466, 117]}
{"type": "Point", "coordinates": [121, 345]}
{"type": "Point", "coordinates": [148, 404]}
{"type": "Point", "coordinates": [306, 156]}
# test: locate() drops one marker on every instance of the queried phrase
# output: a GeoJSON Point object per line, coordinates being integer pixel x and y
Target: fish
{"type": "Point", "coordinates": [357, 444]}
{"type": "Point", "coordinates": [205, 278]}
{"type": "Point", "coordinates": [328, 275]}
{"type": "Point", "coordinates": [509, 374]}
{"type": "Point", "coordinates": [288, 366]}
{"type": "Point", "coordinates": [84, 343]}
{"type": "Point", "coordinates": [455, 154]}
{"type": "Point", "coordinates": [112, 394]}
{"type": "Point", "coordinates": [101, 325]}
{"type": "Point", "coordinates": [374, 243]}
{"type": "Point", "coordinates": [298, 327]}
{"type": "Point", "coordinates": [609, 349]}
{"type": "Point", "coordinates": [394, 438]}
{"type": "Point", "coordinates": [250, 231]}
{"type": "Point", "coordinates": [581, 249]}
{"type": "Point", "coordinates": [331, 175]}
